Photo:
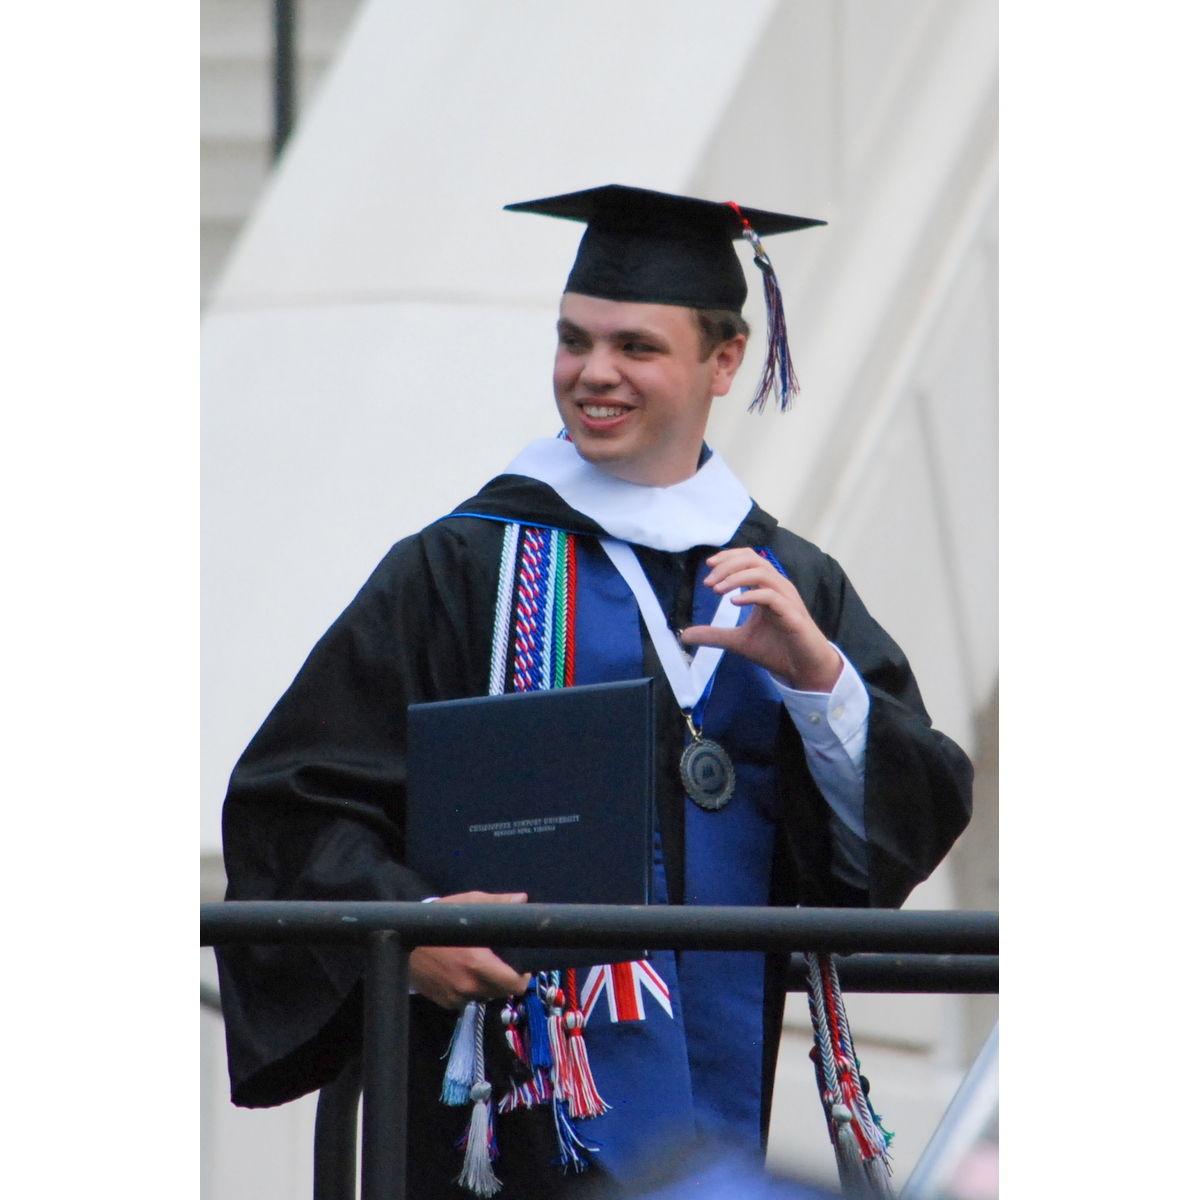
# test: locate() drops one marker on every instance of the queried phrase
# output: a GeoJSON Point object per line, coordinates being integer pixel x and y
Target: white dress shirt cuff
{"type": "Point", "coordinates": [833, 727]}
{"type": "Point", "coordinates": [827, 720]}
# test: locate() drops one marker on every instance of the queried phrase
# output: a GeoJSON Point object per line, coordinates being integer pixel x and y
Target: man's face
{"type": "Point", "coordinates": [631, 388]}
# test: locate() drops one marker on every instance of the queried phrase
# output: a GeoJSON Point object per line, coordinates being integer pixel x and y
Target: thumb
{"type": "Point", "coordinates": [709, 635]}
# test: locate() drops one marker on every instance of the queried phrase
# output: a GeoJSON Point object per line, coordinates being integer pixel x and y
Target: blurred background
{"type": "Point", "coordinates": [377, 338]}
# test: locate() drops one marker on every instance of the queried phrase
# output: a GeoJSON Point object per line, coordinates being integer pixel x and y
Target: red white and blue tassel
{"type": "Point", "coordinates": [585, 1100]}
{"type": "Point", "coordinates": [778, 373]}
{"type": "Point", "coordinates": [570, 1145]}
{"type": "Point", "coordinates": [526, 1087]}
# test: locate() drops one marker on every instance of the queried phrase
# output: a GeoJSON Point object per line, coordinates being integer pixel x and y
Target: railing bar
{"type": "Point", "coordinates": [948, 974]}
{"type": "Point", "coordinates": [385, 1068]}
{"type": "Point", "coordinates": [657, 926]}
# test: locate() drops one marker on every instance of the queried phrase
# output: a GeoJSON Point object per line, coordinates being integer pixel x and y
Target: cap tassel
{"type": "Point", "coordinates": [778, 374]}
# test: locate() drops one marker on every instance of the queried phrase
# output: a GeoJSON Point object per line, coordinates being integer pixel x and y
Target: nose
{"type": "Point", "coordinates": [599, 370]}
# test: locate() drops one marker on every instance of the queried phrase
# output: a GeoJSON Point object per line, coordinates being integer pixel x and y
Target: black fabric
{"type": "Point", "coordinates": [315, 804]}
{"type": "Point", "coordinates": [658, 248]}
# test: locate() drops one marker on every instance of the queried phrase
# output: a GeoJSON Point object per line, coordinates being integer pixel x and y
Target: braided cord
{"type": "Point", "coordinates": [503, 622]}
{"type": "Point", "coordinates": [816, 997]}
{"type": "Point", "coordinates": [569, 639]}
{"type": "Point", "coordinates": [848, 1080]}
{"type": "Point", "coordinates": [545, 623]}
{"type": "Point", "coordinates": [477, 1074]}
{"type": "Point", "coordinates": [530, 608]}
{"type": "Point", "coordinates": [870, 1125]}
{"type": "Point", "coordinates": [560, 608]}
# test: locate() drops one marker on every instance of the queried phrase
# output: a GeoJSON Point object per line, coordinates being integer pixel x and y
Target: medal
{"type": "Point", "coordinates": [706, 771]}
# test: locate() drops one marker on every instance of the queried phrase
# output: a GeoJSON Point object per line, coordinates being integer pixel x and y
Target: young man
{"type": "Point", "coordinates": [802, 770]}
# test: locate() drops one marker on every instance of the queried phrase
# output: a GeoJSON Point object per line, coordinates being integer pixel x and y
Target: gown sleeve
{"type": "Point", "coordinates": [917, 784]}
{"type": "Point", "coordinates": [315, 807]}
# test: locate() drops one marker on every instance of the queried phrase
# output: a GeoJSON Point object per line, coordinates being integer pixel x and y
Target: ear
{"type": "Point", "coordinates": [727, 358]}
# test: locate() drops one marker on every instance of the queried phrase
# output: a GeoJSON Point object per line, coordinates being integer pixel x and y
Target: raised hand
{"type": "Point", "coordinates": [779, 634]}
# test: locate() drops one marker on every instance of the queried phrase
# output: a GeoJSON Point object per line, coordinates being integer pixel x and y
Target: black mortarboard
{"type": "Point", "coordinates": [655, 248]}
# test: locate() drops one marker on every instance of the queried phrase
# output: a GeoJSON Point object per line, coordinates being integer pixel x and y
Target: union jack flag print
{"type": "Point", "coordinates": [622, 984]}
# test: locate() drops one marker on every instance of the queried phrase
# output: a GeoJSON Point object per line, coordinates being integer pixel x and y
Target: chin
{"type": "Point", "coordinates": [597, 455]}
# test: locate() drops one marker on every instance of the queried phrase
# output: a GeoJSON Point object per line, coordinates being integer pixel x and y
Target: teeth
{"type": "Point", "coordinates": [599, 411]}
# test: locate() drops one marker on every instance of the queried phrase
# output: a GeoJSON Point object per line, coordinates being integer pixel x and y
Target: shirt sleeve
{"type": "Point", "coordinates": [833, 729]}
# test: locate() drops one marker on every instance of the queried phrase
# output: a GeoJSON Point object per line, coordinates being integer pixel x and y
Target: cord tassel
{"type": "Point", "coordinates": [521, 1093]}
{"type": "Point", "coordinates": [860, 1142]}
{"type": "Point", "coordinates": [540, 1056]}
{"type": "Point", "coordinates": [561, 1075]}
{"type": "Point", "coordinates": [851, 1174]}
{"type": "Point", "coordinates": [460, 1070]}
{"type": "Point", "coordinates": [477, 1175]}
{"type": "Point", "coordinates": [569, 1142]}
{"type": "Point", "coordinates": [879, 1177]}
{"type": "Point", "coordinates": [586, 1100]}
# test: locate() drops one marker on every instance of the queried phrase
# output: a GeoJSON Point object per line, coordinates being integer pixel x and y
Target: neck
{"type": "Point", "coordinates": [677, 469]}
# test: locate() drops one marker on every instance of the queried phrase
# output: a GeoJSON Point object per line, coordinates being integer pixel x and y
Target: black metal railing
{"type": "Point", "coordinates": [391, 930]}
{"type": "Point", "coordinates": [283, 93]}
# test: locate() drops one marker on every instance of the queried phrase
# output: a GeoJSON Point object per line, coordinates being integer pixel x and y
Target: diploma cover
{"type": "Point", "coordinates": [548, 792]}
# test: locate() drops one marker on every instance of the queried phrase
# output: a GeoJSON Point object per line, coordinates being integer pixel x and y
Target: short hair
{"type": "Point", "coordinates": [718, 325]}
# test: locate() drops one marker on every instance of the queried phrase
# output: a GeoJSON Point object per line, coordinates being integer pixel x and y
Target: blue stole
{"type": "Point", "coordinates": [697, 1068]}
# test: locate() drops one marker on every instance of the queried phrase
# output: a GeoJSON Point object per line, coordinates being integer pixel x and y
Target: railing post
{"type": "Point", "coordinates": [335, 1137]}
{"type": "Point", "coordinates": [284, 92]}
{"type": "Point", "coordinates": [385, 1068]}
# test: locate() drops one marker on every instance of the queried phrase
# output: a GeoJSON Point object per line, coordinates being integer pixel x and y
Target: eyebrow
{"type": "Point", "coordinates": [619, 335]}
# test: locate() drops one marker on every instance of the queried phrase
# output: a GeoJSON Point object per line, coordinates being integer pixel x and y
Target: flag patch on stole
{"type": "Point", "coordinates": [622, 984]}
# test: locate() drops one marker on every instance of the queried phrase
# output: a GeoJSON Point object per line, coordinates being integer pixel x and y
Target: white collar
{"type": "Point", "coordinates": [704, 510]}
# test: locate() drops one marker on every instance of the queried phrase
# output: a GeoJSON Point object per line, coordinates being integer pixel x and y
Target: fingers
{"type": "Point", "coordinates": [757, 573]}
{"type": "Point", "coordinates": [726, 562]}
{"type": "Point", "coordinates": [765, 597]}
{"type": "Point", "coordinates": [450, 976]}
{"type": "Point", "coordinates": [709, 635]}
{"type": "Point", "coordinates": [484, 898]}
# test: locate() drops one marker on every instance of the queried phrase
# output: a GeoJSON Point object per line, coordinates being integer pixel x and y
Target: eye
{"type": "Point", "coordinates": [573, 342]}
{"type": "Point", "coordinates": [640, 348]}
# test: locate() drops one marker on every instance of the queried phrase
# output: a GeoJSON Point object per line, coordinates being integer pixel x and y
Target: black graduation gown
{"type": "Point", "coordinates": [315, 808]}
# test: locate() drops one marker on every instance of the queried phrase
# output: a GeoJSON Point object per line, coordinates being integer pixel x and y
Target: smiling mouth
{"type": "Point", "coordinates": [601, 412]}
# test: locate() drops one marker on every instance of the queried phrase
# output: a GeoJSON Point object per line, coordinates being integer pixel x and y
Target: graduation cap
{"type": "Point", "coordinates": [655, 248]}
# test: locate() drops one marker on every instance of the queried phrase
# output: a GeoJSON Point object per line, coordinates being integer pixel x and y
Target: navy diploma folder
{"type": "Point", "coordinates": [549, 792]}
